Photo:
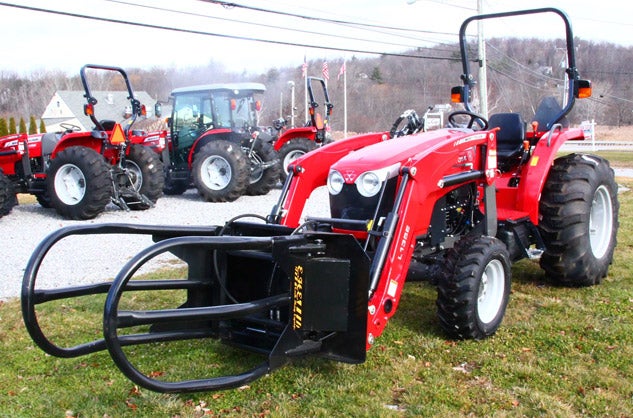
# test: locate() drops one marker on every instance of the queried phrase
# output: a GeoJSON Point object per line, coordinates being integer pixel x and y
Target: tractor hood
{"type": "Point", "coordinates": [395, 152]}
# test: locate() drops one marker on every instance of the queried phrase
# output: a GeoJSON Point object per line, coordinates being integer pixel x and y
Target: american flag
{"type": "Point", "coordinates": [325, 71]}
{"type": "Point", "coordinates": [341, 71]}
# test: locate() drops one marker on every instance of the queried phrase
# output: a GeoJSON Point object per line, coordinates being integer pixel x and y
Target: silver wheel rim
{"type": "Point", "coordinates": [215, 172]}
{"type": "Point", "coordinates": [491, 290]}
{"type": "Point", "coordinates": [290, 157]}
{"type": "Point", "coordinates": [135, 174]}
{"type": "Point", "coordinates": [600, 222]}
{"type": "Point", "coordinates": [70, 184]}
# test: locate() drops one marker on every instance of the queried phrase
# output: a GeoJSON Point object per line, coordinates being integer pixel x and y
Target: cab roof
{"type": "Point", "coordinates": [240, 87]}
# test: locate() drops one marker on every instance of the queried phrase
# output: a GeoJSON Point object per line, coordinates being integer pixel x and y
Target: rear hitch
{"type": "Point", "coordinates": [260, 288]}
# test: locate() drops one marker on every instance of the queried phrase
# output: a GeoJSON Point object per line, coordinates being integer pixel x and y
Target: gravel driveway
{"type": "Point", "coordinates": [88, 259]}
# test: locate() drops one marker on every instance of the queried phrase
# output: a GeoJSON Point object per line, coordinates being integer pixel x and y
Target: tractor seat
{"type": "Point", "coordinates": [510, 137]}
{"type": "Point", "coordinates": [49, 142]}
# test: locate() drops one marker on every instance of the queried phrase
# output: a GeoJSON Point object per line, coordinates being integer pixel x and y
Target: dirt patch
{"type": "Point", "coordinates": [614, 133]}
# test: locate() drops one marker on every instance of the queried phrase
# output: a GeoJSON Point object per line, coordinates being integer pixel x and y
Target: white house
{"type": "Point", "coordinates": [68, 107]}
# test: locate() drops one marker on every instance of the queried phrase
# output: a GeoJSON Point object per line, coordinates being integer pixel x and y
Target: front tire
{"type": "Point", "coordinates": [292, 150]}
{"type": "Point", "coordinates": [8, 198]}
{"type": "Point", "coordinates": [79, 183]}
{"type": "Point", "coordinates": [220, 171]}
{"type": "Point", "coordinates": [145, 171]}
{"type": "Point", "coordinates": [473, 292]}
{"type": "Point", "coordinates": [578, 220]}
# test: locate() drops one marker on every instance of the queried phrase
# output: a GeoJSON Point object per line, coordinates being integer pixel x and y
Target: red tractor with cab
{"type": "Point", "coordinates": [215, 143]}
{"type": "Point", "coordinates": [80, 172]}
{"type": "Point", "coordinates": [470, 198]}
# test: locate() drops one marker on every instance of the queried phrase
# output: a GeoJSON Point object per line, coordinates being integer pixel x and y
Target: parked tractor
{"type": "Point", "coordinates": [78, 172]}
{"type": "Point", "coordinates": [291, 143]}
{"type": "Point", "coordinates": [471, 198]}
{"type": "Point", "coordinates": [215, 142]}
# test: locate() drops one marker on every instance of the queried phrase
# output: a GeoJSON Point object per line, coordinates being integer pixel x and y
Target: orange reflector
{"type": "Point", "coordinates": [117, 136]}
{"type": "Point", "coordinates": [584, 92]}
{"type": "Point", "coordinates": [319, 121]}
{"type": "Point", "coordinates": [233, 104]}
{"type": "Point", "coordinates": [456, 98]}
{"type": "Point", "coordinates": [258, 105]}
{"type": "Point", "coordinates": [89, 110]}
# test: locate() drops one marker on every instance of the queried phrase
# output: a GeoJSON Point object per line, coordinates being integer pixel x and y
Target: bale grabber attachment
{"type": "Point", "coordinates": [250, 285]}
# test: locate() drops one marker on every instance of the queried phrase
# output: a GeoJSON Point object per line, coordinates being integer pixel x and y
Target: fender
{"type": "Point", "coordinates": [535, 172]}
{"type": "Point", "coordinates": [308, 132]}
{"type": "Point", "coordinates": [83, 139]}
{"type": "Point", "coordinates": [204, 138]}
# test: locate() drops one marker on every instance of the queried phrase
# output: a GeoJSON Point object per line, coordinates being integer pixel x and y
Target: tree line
{"type": "Point", "coordinates": [378, 89]}
{"type": "Point", "coordinates": [10, 127]}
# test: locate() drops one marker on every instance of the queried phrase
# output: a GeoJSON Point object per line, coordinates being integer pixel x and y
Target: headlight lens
{"type": "Point", "coordinates": [368, 184]}
{"type": "Point", "coordinates": [335, 182]}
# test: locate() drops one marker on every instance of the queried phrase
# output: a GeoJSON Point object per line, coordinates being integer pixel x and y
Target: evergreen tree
{"type": "Point", "coordinates": [12, 128]}
{"type": "Point", "coordinates": [32, 125]}
{"type": "Point", "coordinates": [22, 126]}
{"type": "Point", "coordinates": [42, 127]}
{"type": "Point", "coordinates": [4, 130]}
{"type": "Point", "coordinates": [376, 76]}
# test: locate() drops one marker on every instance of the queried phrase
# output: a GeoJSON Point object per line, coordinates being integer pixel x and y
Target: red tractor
{"type": "Point", "coordinates": [78, 172]}
{"type": "Point", "coordinates": [471, 198]}
{"type": "Point", "coordinates": [216, 144]}
{"type": "Point", "coordinates": [292, 143]}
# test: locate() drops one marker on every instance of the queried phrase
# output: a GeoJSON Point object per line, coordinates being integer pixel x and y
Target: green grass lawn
{"type": "Point", "coordinates": [560, 352]}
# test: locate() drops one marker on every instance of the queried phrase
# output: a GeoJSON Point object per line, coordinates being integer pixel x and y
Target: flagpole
{"type": "Point", "coordinates": [304, 69]}
{"type": "Point", "coordinates": [343, 72]}
{"type": "Point", "coordinates": [344, 101]}
{"type": "Point", "coordinates": [305, 98]}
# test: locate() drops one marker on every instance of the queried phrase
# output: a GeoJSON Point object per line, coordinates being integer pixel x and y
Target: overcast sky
{"type": "Point", "coordinates": [35, 41]}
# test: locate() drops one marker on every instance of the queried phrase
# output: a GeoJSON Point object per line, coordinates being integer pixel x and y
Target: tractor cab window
{"type": "Point", "coordinates": [234, 111]}
{"type": "Point", "coordinates": [222, 110]}
{"type": "Point", "coordinates": [192, 116]}
{"type": "Point", "coordinates": [243, 115]}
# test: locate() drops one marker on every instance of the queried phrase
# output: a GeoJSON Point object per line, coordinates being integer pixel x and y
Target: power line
{"type": "Point", "coordinates": [320, 19]}
{"type": "Point", "coordinates": [221, 35]}
{"type": "Point", "coordinates": [338, 36]}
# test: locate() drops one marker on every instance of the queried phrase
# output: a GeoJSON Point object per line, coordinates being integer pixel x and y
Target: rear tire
{"type": "Point", "coordinates": [220, 171]}
{"type": "Point", "coordinates": [8, 199]}
{"type": "Point", "coordinates": [262, 180]}
{"type": "Point", "coordinates": [473, 292]}
{"type": "Point", "coordinates": [578, 220]}
{"type": "Point", "coordinates": [146, 172]}
{"type": "Point", "coordinates": [292, 150]}
{"type": "Point", "coordinates": [79, 183]}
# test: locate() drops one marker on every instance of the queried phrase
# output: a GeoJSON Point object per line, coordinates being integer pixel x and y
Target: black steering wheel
{"type": "Point", "coordinates": [414, 124]}
{"type": "Point", "coordinates": [69, 127]}
{"type": "Point", "coordinates": [474, 119]}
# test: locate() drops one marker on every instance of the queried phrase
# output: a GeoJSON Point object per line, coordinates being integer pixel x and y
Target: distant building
{"type": "Point", "coordinates": [68, 107]}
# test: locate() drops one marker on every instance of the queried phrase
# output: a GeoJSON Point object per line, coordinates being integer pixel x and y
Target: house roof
{"type": "Point", "coordinates": [68, 106]}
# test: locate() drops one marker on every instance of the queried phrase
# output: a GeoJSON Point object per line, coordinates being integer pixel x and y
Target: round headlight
{"type": "Point", "coordinates": [335, 182]}
{"type": "Point", "coordinates": [368, 184]}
